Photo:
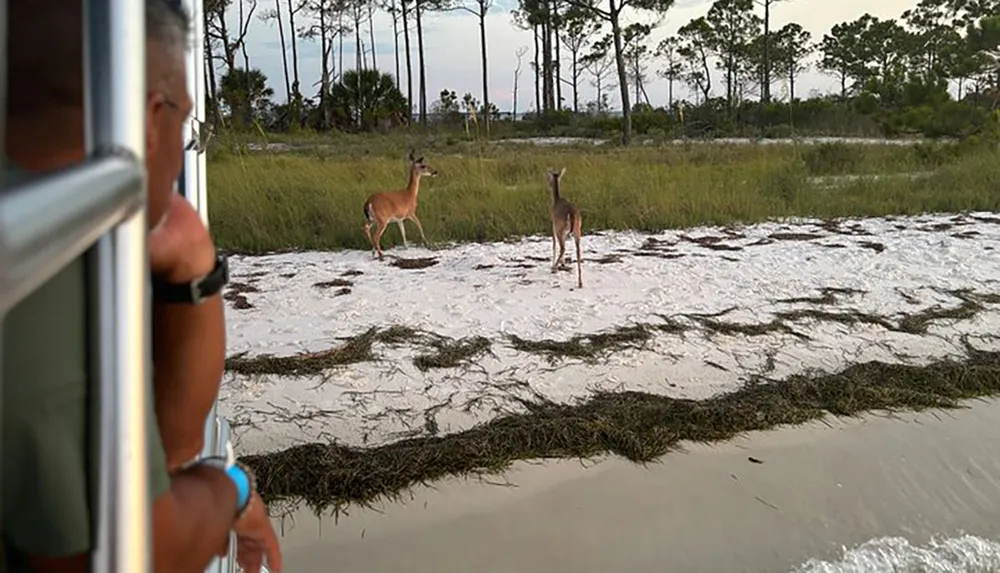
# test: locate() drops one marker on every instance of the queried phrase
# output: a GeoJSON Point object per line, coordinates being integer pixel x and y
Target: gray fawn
{"type": "Point", "coordinates": [396, 206]}
{"type": "Point", "coordinates": [566, 219]}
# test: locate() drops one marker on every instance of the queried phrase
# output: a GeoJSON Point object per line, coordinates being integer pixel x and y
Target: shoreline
{"type": "Point", "coordinates": [819, 487]}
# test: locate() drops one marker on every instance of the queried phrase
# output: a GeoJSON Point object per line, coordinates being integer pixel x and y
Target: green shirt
{"type": "Point", "coordinates": [50, 426]}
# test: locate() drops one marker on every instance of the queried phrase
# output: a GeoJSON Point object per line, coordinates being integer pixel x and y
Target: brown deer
{"type": "Point", "coordinates": [566, 219]}
{"type": "Point", "coordinates": [396, 206]}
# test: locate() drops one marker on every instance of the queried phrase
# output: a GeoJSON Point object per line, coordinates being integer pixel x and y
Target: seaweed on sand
{"type": "Point", "coordinates": [640, 427]}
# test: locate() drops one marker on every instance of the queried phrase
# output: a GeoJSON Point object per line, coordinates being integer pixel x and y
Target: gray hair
{"type": "Point", "coordinates": [167, 23]}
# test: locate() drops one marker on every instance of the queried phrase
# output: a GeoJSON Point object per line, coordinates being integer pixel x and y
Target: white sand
{"type": "Point", "coordinates": [375, 402]}
{"type": "Point", "coordinates": [920, 493]}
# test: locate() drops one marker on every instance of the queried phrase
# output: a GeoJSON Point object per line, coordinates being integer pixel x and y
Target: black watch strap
{"type": "Point", "coordinates": [196, 291]}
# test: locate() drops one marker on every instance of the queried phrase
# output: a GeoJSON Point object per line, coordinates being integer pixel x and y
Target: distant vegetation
{"type": "Point", "coordinates": [933, 71]}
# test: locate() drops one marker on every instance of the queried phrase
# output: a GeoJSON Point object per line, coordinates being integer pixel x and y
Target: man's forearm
{"type": "Point", "coordinates": [189, 354]}
{"type": "Point", "coordinates": [192, 521]}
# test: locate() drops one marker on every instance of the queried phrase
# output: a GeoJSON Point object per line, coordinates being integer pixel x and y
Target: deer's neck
{"type": "Point", "coordinates": [414, 185]}
{"type": "Point", "coordinates": [555, 191]}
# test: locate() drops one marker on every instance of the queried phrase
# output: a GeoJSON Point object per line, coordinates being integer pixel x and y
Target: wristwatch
{"type": "Point", "coordinates": [240, 475]}
{"type": "Point", "coordinates": [196, 291]}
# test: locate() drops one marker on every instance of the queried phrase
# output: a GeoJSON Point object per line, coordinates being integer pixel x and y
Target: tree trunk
{"type": "Point", "coordinates": [558, 61]}
{"type": "Point", "coordinates": [284, 56]}
{"type": "Point", "coordinates": [635, 66]}
{"type": "Point", "coordinates": [513, 115]}
{"type": "Point", "coordinates": [576, 84]}
{"type": "Point", "coordinates": [228, 47]}
{"type": "Point", "coordinates": [358, 50]}
{"type": "Point", "coordinates": [409, 63]}
{"type": "Point", "coordinates": [538, 72]}
{"type": "Point", "coordinates": [766, 88]}
{"type": "Point", "coordinates": [420, 63]}
{"type": "Point", "coordinates": [216, 116]}
{"type": "Point", "coordinates": [486, 75]}
{"type": "Point", "coordinates": [296, 87]}
{"type": "Point", "coordinates": [548, 93]}
{"type": "Point", "coordinates": [340, 41]}
{"type": "Point", "coordinates": [395, 39]}
{"type": "Point", "coordinates": [371, 32]}
{"type": "Point", "coordinates": [247, 110]}
{"type": "Point", "coordinates": [616, 32]}
{"type": "Point", "coordinates": [324, 81]}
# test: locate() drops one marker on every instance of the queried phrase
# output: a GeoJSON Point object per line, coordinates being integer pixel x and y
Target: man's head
{"type": "Point", "coordinates": [45, 89]}
{"type": "Point", "coordinates": [168, 102]}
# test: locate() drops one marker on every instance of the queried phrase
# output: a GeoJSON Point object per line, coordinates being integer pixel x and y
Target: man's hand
{"type": "Point", "coordinates": [180, 248]}
{"type": "Point", "coordinates": [255, 539]}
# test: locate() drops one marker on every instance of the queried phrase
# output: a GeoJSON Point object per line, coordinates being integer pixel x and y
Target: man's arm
{"type": "Point", "coordinates": [189, 341]}
{"type": "Point", "coordinates": [188, 362]}
{"type": "Point", "coordinates": [191, 522]}
{"type": "Point", "coordinates": [47, 446]}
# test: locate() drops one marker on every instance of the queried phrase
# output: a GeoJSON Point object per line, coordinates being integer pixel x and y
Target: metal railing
{"type": "Point", "coordinates": [100, 205]}
{"type": "Point", "coordinates": [193, 184]}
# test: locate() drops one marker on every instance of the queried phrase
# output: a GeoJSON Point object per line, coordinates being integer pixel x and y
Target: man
{"type": "Point", "coordinates": [49, 433]}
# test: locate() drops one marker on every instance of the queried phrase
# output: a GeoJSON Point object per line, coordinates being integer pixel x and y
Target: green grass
{"type": "Point", "coordinates": [311, 197]}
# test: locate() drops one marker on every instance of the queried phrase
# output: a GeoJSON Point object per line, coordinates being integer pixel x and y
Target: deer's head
{"type": "Point", "coordinates": [555, 177]}
{"type": "Point", "coordinates": [417, 164]}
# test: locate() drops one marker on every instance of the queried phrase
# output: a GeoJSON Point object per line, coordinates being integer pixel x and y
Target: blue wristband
{"type": "Point", "coordinates": [242, 482]}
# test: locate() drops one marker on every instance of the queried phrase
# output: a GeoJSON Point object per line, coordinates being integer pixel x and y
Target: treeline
{"type": "Point", "coordinates": [933, 71]}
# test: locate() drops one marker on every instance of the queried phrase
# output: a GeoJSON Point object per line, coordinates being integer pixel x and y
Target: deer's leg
{"type": "Point", "coordinates": [420, 228]}
{"type": "Point", "coordinates": [402, 231]}
{"type": "Point", "coordinates": [378, 237]}
{"type": "Point", "coordinates": [368, 233]}
{"type": "Point", "coordinates": [554, 247]}
{"type": "Point", "coordinates": [577, 224]}
{"type": "Point", "coordinates": [562, 249]}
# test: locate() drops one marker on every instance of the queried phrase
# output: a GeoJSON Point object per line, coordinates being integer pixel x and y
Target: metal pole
{"type": "Point", "coordinates": [115, 49]}
{"type": "Point", "coordinates": [3, 133]}
{"type": "Point", "coordinates": [193, 184]}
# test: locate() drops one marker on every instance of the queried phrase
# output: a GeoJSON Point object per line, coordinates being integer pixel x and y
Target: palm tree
{"type": "Point", "coordinates": [245, 93]}
{"type": "Point", "coordinates": [364, 100]}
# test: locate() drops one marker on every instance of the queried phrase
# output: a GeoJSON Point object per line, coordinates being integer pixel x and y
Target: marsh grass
{"type": "Point", "coordinates": [311, 198]}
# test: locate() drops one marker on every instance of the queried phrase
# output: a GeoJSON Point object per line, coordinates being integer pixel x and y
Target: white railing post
{"type": "Point", "coordinates": [115, 64]}
{"type": "Point", "coordinates": [3, 184]}
{"type": "Point", "coordinates": [193, 184]}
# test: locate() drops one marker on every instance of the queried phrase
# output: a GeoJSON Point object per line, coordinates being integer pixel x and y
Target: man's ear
{"type": "Point", "coordinates": [154, 107]}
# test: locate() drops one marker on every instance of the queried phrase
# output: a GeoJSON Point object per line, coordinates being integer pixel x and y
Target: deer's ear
{"type": "Point", "coordinates": [562, 172]}
{"type": "Point", "coordinates": [411, 155]}
{"type": "Point", "coordinates": [421, 160]}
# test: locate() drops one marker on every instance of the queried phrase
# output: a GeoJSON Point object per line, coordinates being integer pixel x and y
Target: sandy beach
{"type": "Point", "coordinates": [688, 314]}
{"type": "Point", "coordinates": [765, 502]}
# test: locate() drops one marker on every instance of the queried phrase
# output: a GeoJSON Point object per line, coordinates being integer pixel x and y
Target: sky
{"type": "Point", "coordinates": [451, 46]}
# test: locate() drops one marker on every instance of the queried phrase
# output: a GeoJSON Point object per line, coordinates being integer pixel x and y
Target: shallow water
{"type": "Point", "coordinates": [908, 493]}
{"type": "Point", "coordinates": [965, 554]}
